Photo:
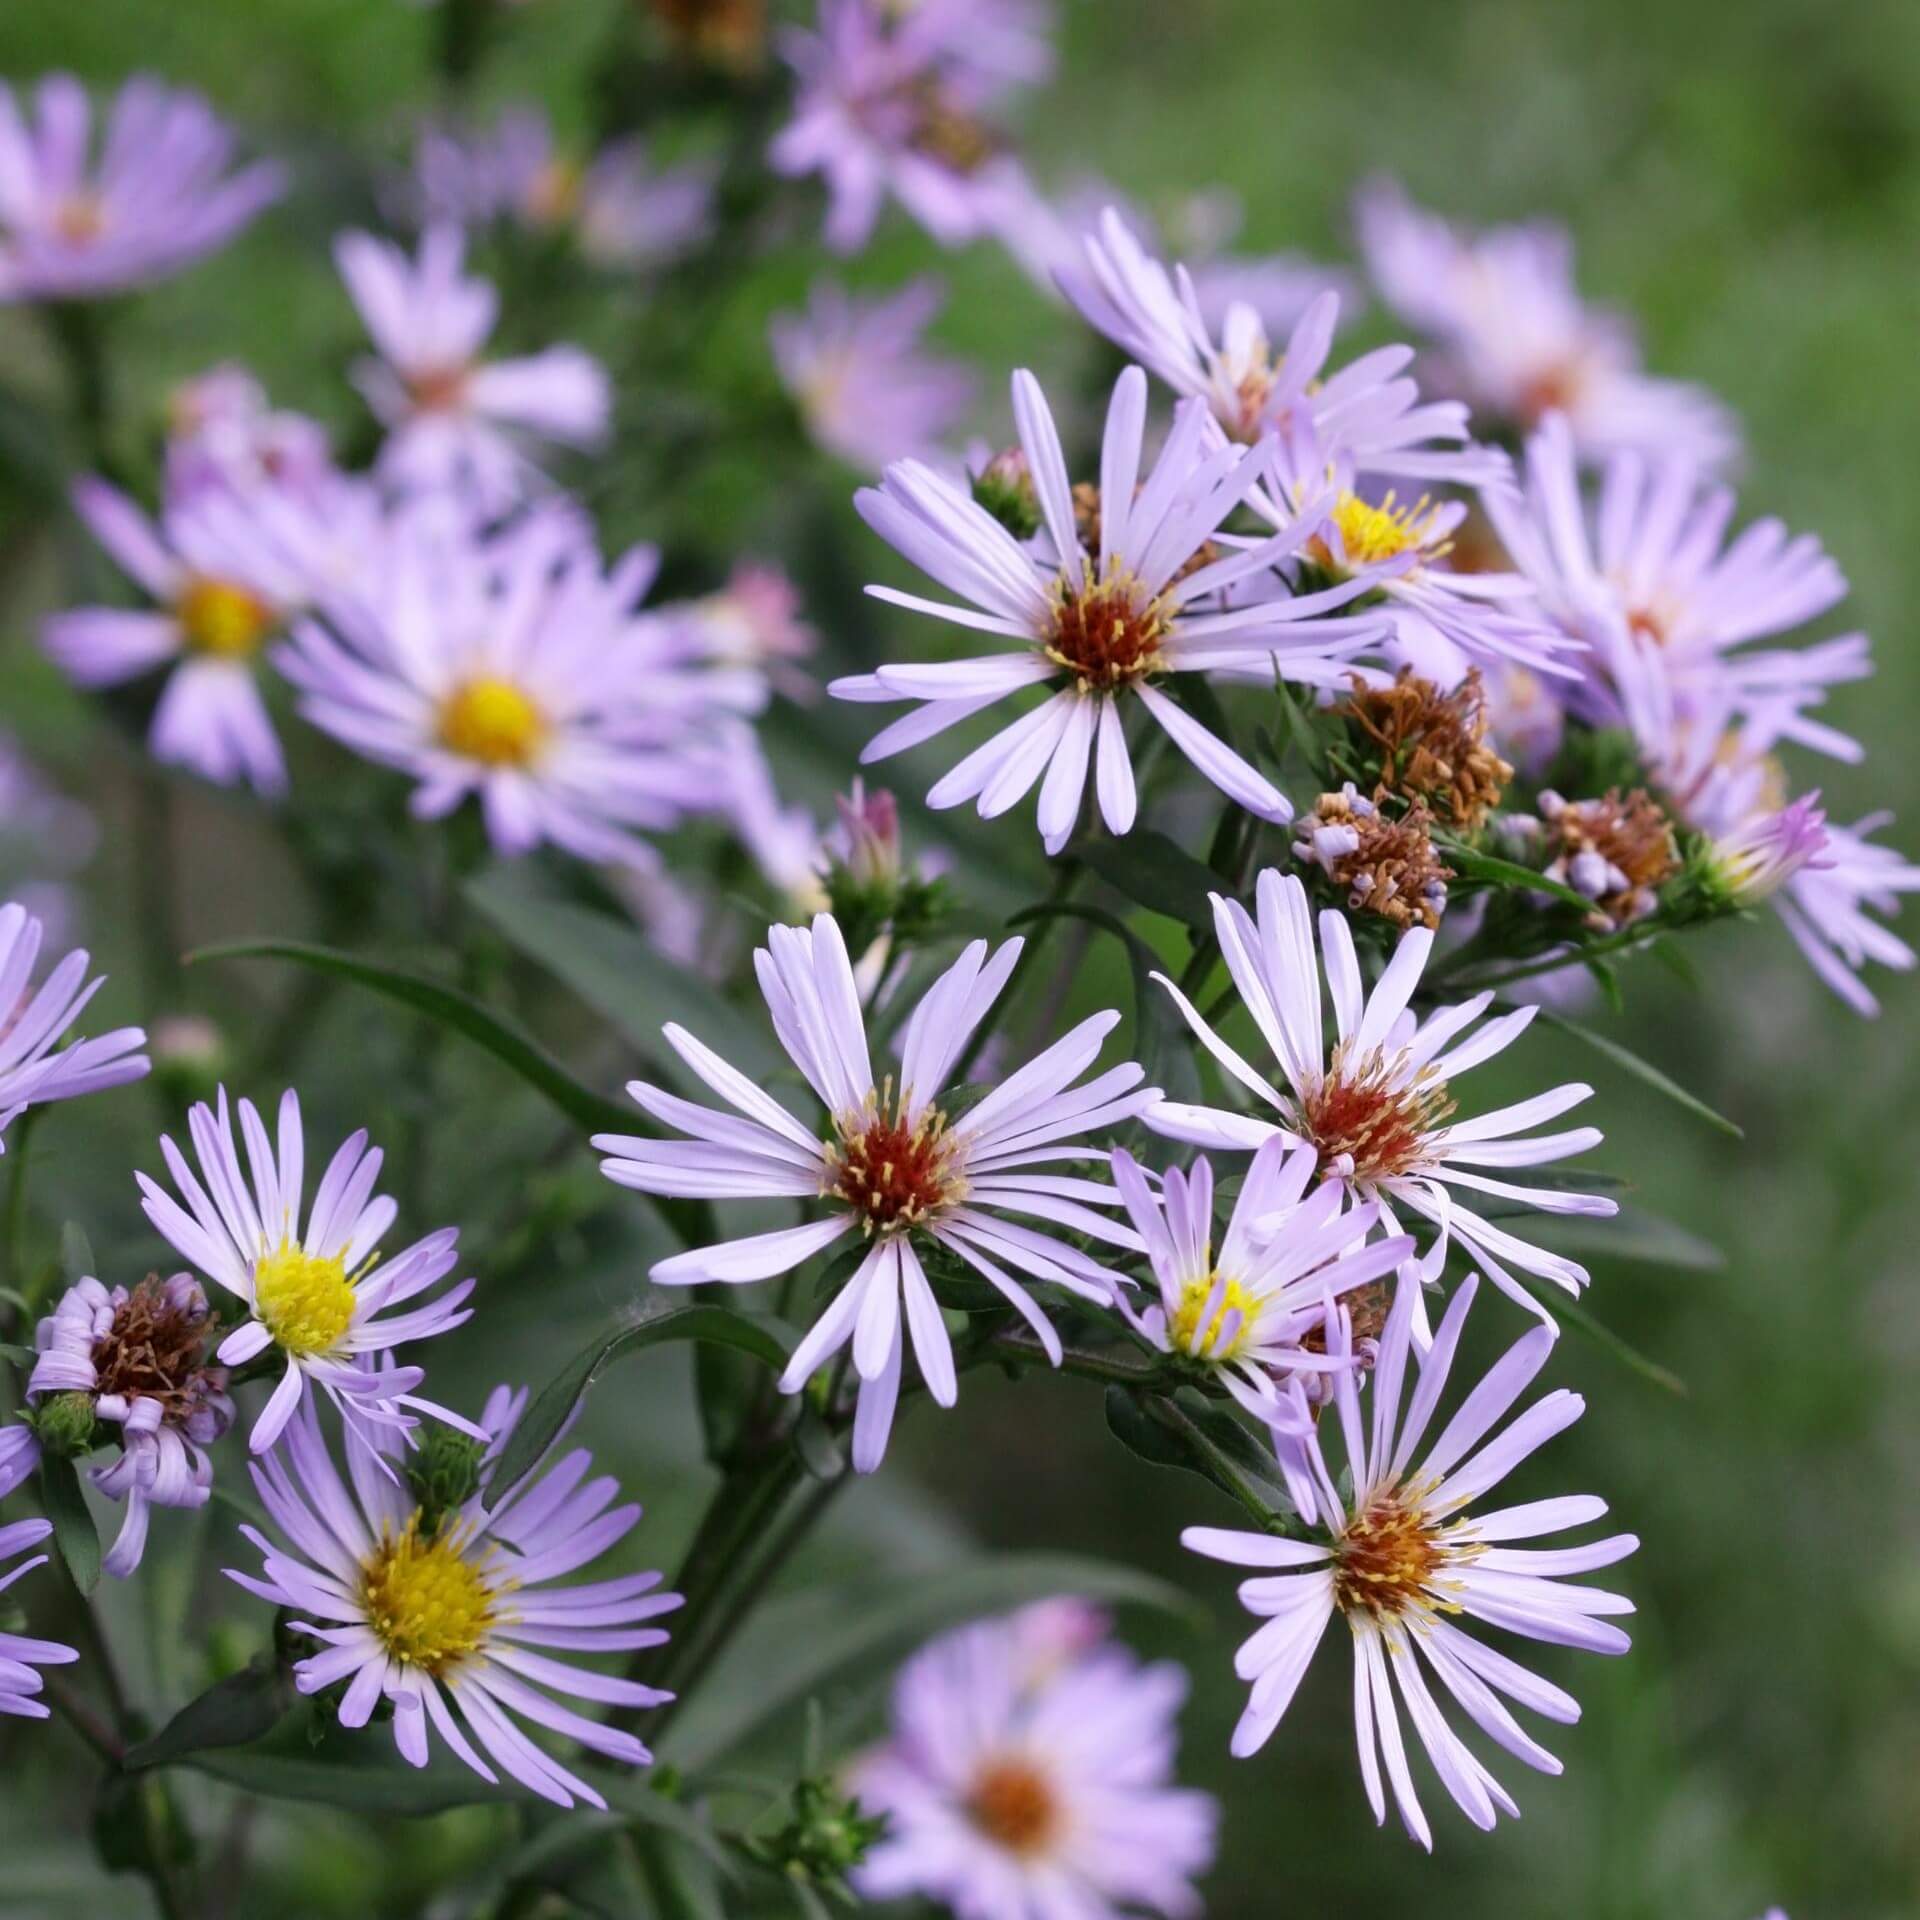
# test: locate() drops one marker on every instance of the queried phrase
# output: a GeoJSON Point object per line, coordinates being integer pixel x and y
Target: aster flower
{"type": "Point", "coordinates": [1618, 850]}
{"type": "Point", "coordinates": [514, 668]}
{"type": "Point", "coordinates": [1403, 1558]}
{"type": "Point", "coordinates": [223, 590]}
{"type": "Point", "coordinates": [223, 432]}
{"type": "Point", "coordinates": [894, 1167]}
{"type": "Point", "coordinates": [1428, 746]}
{"type": "Point", "coordinates": [159, 196]}
{"type": "Point", "coordinates": [1517, 341]}
{"type": "Point", "coordinates": [752, 632]}
{"type": "Point", "coordinates": [1099, 619]}
{"type": "Point", "coordinates": [1377, 1108]}
{"type": "Point", "coordinates": [1285, 1255]}
{"type": "Point", "coordinates": [1828, 902]}
{"type": "Point", "coordinates": [452, 418]}
{"type": "Point", "coordinates": [322, 1296]}
{"type": "Point", "coordinates": [19, 1655]}
{"type": "Point", "coordinates": [1385, 863]}
{"type": "Point", "coordinates": [884, 107]}
{"type": "Point", "coordinates": [136, 1357]}
{"type": "Point", "coordinates": [621, 209]}
{"type": "Point", "coordinates": [1660, 592]}
{"type": "Point", "coordinates": [444, 1613]}
{"type": "Point", "coordinates": [1028, 1774]}
{"type": "Point", "coordinates": [34, 1020]}
{"type": "Point", "coordinates": [864, 387]}
{"type": "Point", "coordinates": [1366, 418]}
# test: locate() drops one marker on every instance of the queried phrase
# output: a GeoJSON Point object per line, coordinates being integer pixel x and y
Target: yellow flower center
{"type": "Point", "coordinates": [1211, 1340]}
{"type": "Point", "coordinates": [1372, 534]}
{"type": "Point", "coordinates": [430, 1606]}
{"type": "Point", "coordinates": [222, 620]}
{"type": "Point", "coordinates": [304, 1300]}
{"type": "Point", "coordinates": [492, 721]}
{"type": "Point", "coordinates": [1391, 1559]}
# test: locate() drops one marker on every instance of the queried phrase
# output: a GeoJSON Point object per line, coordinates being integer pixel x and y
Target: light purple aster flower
{"type": "Point", "coordinates": [1028, 1775]}
{"type": "Point", "coordinates": [158, 198]}
{"type": "Point", "coordinates": [1367, 416]}
{"type": "Point", "coordinates": [19, 1655]}
{"type": "Point", "coordinates": [446, 1615]}
{"type": "Point", "coordinates": [224, 587]}
{"type": "Point", "coordinates": [893, 1167]}
{"type": "Point", "coordinates": [752, 631]}
{"type": "Point", "coordinates": [1828, 901]}
{"type": "Point", "coordinates": [1098, 620]}
{"type": "Point", "coordinates": [867, 391]}
{"type": "Point", "coordinates": [223, 432]}
{"type": "Point", "coordinates": [621, 208]}
{"type": "Point", "coordinates": [1404, 1559]}
{"type": "Point", "coordinates": [34, 1020]}
{"type": "Point", "coordinates": [1656, 588]}
{"type": "Point", "coordinates": [1516, 340]}
{"type": "Point", "coordinates": [884, 107]}
{"type": "Point", "coordinates": [452, 418]}
{"type": "Point", "coordinates": [320, 1294]}
{"type": "Point", "coordinates": [1376, 1106]}
{"type": "Point", "coordinates": [515, 668]}
{"type": "Point", "coordinates": [1286, 1253]}
{"type": "Point", "coordinates": [139, 1355]}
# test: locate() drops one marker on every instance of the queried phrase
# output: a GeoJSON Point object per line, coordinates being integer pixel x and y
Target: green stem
{"type": "Point", "coordinates": [1621, 942]}
{"type": "Point", "coordinates": [79, 338]}
{"type": "Point", "coordinates": [1024, 1350]}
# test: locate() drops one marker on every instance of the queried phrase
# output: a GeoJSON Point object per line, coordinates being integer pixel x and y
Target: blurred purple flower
{"type": "Point", "coordinates": [1028, 1773]}
{"type": "Point", "coordinates": [1516, 340]}
{"type": "Point", "coordinates": [222, 432]}
{"type": "Point", "coordinates": [454, 420]}
{"type": "Point", "coordinates": [19, 1655]}
{"type": "Point", "coordinates": [864, 387]}
{"type": "Point", "coordinates": [159, 197]}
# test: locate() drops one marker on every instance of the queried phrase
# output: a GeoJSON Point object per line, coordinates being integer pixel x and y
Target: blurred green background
{"type": "Point", "coordinates": [1746, 180]}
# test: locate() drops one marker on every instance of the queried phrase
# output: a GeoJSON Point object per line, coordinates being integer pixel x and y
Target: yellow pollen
{"type": "Point", "coordinates": [429, 1605]}
{"type": "Point", "coordinates": [895, 1172]}
{"type": "Point", "coordinates": [1392, 1560]}
{"type": "Point", "coordinates": [492, 721]}
{"type": "Point", "coordinates": [1107, 634]}
{"type": "Point", "coordinates": [1015, 1806]}
{"type": "Point", "coordinates": [1372, 534]}
{"type": "Point", "coordinates": [222, 620]}
{"type": "Point", "coordinates": [1213, 1342]}
{"type": "Point", "coordinates": [303, 1299]}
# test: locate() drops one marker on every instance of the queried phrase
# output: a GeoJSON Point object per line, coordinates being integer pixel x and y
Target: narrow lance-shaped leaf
{"type": "Point", "coordinates": [233, 1712]}
{"type": "Point", "coordinates": [74, 1533]}
{"type": "Point", "coordinates": [1645, 1072]}
{"type": "Point", "coordinates": [759, 1335]}
{"type": "Point", "coordinates": [1149, 868]}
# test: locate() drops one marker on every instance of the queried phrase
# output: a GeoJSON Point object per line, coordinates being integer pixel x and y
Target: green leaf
{"type": "Point", "coordinates": [76, 1254]}
{"type": "Point", "coordinates": [488, 1030]}
{"type": "Point", "coordinates": [73, 1530]}
{"type": "Point", "coordinates": [16, 1355]}
{"type": "Point", "coordinates": [1148, 868]}
{"type": "Point", "coordinates": [235, 1712]}
{"type": "Point", "coordinates": [691, 1220]}
{"type": "Point", "coordinates": [1649, 1239]}
{"type": "Point", "coordinates": [1644, 1071]}
{"type": "Point", "coordinates": [1196, 1436]}
{"type": "Point", "coordinates": [1488, 869]}
{"type": "Point", "coordinates": [1571, 1313]}
{"type": "Point", "coordinates": [799, 1642]}
{"type": "Point", "coordinates": [759, 1335]}
{"type": "Point", "coordinates": [621, 975]}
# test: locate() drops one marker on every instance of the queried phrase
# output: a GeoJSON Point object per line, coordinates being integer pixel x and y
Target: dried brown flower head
{"type": "Point", "coordinates": [1386, 863]}
{"type": "Point", "coordinates": [1429, 746]}
{"type": "Point", "coordinates": [1618, 850]}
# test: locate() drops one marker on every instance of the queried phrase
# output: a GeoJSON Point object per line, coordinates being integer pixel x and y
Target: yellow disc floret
{"type": "Point", "coordinates": [305, 1300]}
{"type": "Point", "coordinates": [1371, 534]}
{"type": "Point", "coordinates": [223, 621]}
{"type": "Point", "coordinates": [1218, 1335]}
{"type": "Point", "coordinates": [429, 1605]}
{"type": "Point", "coordinates": [492, 721]}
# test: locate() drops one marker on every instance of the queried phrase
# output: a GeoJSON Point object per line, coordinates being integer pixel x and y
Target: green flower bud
{"type": "Point", "coordinates": [63, 1424]}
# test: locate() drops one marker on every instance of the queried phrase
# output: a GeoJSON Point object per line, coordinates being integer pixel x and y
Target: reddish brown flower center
{"type": "Point", "coordinates": [1385, 1560]}
{"type": "Point", "coordinates": [1014, 1805]}
{"type": "Point", "coordinates": [1364, 1114]}
{"type": "Point", "coordinates": [438, 389]}
{"type": "Point", "coordinates": [154, 1350]}
{"type": "Point", "coordinates": [1107, 633]}
{"type": "Point", "coordinates": [896, 1172]}
{"type": "Point", "coordinates": [80, 219]}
